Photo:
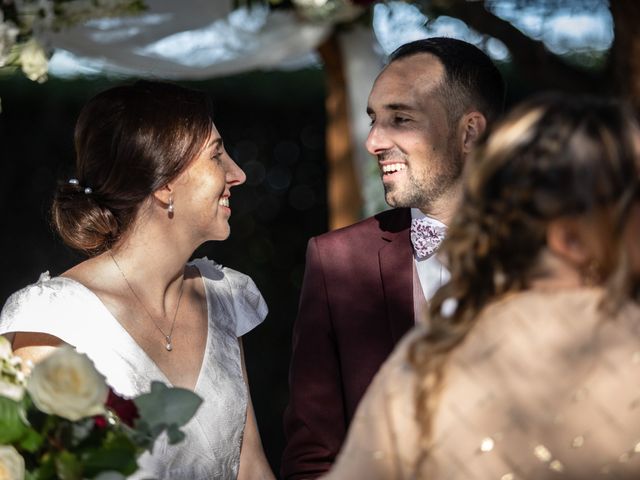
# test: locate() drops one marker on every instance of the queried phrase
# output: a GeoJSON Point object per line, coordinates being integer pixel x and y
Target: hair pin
{"type": "Point", "coordinates": [76, 182]}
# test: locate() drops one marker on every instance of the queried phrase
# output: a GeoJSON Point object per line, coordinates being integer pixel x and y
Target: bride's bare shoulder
{"type": "Point", "coordinates": [94, 273]}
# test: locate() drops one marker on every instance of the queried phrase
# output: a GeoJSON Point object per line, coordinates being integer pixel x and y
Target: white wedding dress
{"type": "Point", "coordinates": [66, 309]}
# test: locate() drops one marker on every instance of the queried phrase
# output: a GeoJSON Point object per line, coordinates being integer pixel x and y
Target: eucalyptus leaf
{"type": "Point", "coordinates": [142, 435]}
{"type": "Point", "coordinates": [175, 434]}
{"type": "Point", "coordinates": [164, 406]}
{"type": "Point", "coordinates": [145, 436]}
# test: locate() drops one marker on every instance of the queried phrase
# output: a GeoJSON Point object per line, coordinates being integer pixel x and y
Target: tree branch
{"type": "Point", "coordinates": [532, 59]}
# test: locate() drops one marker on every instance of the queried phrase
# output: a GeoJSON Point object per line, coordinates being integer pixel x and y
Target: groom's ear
{"type": "Point", "coordinates": [472, 126]}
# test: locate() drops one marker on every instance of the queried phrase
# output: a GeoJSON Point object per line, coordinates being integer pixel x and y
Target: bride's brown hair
{"type": "Point", "coordinates": [130, 141]}
{"type": "Point", "coordinates": [551, 157]}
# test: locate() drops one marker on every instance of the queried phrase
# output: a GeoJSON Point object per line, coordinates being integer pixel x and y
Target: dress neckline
{"type": "Point", "coordinates": [124, 332]}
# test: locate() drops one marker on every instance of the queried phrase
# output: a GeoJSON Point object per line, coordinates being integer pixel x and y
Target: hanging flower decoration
{"type": "Point", "coordinates": [22, 23]}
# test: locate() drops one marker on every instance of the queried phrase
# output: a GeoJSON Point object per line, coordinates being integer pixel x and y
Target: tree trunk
{"type": "Point", "coordinates": [625, 59]}
{"type": "Point", "coordinates": [345, 203]}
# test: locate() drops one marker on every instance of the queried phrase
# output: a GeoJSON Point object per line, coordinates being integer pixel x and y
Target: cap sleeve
{"type": "Point", "coordinates": [48, 306]}
{"type": "Point", "coordinates": [244, 301]}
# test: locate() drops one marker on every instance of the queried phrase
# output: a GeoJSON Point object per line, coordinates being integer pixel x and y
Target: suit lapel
{"type": "Point", "coordinates": [396, 271]}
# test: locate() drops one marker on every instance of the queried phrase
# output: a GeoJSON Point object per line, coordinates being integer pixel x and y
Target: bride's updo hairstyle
{"type": "Point", "coordinates": [130, 141]}
{"type": "Point", "coordinates": [552, 157]}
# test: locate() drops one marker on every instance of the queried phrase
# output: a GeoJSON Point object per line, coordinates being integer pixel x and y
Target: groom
{"type": "Point", "coordinates": [365, 285]}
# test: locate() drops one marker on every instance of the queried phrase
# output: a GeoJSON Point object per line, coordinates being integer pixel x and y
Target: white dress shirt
{"type": "Point", "coordinates": [431, 273]}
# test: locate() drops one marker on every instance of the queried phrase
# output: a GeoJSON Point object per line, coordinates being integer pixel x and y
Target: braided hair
{"type": "Point", "coordinates": [551, 157]}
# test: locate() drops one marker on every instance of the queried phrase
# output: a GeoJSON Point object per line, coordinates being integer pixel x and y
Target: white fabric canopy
{"type": "Point", "coordinates": [203, 39]}
{"type": "Point", "coordinates": [194, 39]}
{"type": "Point", "coordinates": [199, 39]}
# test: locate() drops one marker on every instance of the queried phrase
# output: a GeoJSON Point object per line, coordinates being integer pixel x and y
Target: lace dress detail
{"type": "Point", "coordinates": [64, 308]}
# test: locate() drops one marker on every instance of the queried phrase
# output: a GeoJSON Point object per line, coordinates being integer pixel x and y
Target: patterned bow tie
{"type": "Point", "coordinates": [426, 235]}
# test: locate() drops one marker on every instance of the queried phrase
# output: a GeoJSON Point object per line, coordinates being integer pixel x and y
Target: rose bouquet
{"type": "Point", "coordinates": [62, 421]}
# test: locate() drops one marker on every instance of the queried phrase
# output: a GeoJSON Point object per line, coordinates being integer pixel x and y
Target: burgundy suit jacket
{"type": "Point", "coordinates": [356, 303]}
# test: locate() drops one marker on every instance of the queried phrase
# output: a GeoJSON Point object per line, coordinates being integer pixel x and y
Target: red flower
{"type": "Point", "coordinates": [125, 409]}
{"type": "Point", "coordinates": [100, 422]}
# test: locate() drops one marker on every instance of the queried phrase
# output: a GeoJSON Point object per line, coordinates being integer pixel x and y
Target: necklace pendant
{"type": "Point", "coordinates": [168, 346]}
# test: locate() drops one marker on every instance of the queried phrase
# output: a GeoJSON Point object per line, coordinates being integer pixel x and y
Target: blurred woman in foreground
{"type": "Point", "coordinates": [528, 368]}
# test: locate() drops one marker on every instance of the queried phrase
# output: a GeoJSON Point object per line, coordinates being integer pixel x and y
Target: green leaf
{"type": "Point", "coordinates": [164, 409]}
{"type": "Point", "coordinates": [31, 476]}
{"type": "Point", "coordinates": [12, 424]}
{"type": "Point", "coordinates": [115, 459]}
{"type": "Point", "coordinates": [117, 453]}
{"type": "Point", "coordinates": [165, 406]}
{"type": "Point", "coordinates": [45, 469]}
{"type": "Point", "coordinates": [142, 435]}
{"type": "Point", "coordinates": [31, 441]}
{"type": "Point", "coordinates": [175, 434]}
{"type": "Point", "coordinates": [68, 466]}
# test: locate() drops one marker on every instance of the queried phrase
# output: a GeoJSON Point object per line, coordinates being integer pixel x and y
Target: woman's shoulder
{"type": "Point", "coordinates": [47, 290]}
{"type": "Point", "coordinates": [213, 271]}
{"type": "Point", "coordinates": [540, 314]}
{"type": "Point", "coordinates": [32, 307]}
{"type": "Point", "coordinates": [535, 335]}
{"type": "Point", "coordinates": [543, 367]}
{"type": "Point", "coordinates": [236, 290]}
{"type": "Point", "coordinates": [221, 277]}
{"type": "Point", "coordinates": [555, 302]}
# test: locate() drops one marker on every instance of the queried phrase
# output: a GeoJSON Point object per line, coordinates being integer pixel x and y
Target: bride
{"type": "Point", "coordinates": [153, 181]}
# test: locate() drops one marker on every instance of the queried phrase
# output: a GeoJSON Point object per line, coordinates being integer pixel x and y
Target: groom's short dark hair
{"type": "Point", "coordinates": [471, 80]}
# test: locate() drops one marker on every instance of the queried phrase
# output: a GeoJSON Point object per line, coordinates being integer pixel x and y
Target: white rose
{"type": "Point", "coordinates": [68, 385]}
{"type": "Point", "coordinates": [34, 61]}
{"type": "Point", "coordinates": [11, 376]}
{"type": "Point", "coordinates": [11, 390]}
{"type": "Point", "coordinates": [5, 349]}
{"type": "Point", "coordinates": [8, 34]}
{"type": "Point", "coordinates": [11, 464]}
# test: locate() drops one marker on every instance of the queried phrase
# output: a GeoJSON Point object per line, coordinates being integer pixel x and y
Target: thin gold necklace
{"type": "Point", "coordinates": [169, 344]}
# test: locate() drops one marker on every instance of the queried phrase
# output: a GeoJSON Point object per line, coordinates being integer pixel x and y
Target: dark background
{"type": "Point", "coordinates": [272, 125]}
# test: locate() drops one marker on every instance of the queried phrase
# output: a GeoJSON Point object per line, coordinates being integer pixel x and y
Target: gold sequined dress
{"type": "Point", "coordinates": [545, 386]}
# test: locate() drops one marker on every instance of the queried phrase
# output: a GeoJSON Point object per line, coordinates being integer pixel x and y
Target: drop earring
{"type": "Point", "coordinates": [170, 208]}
